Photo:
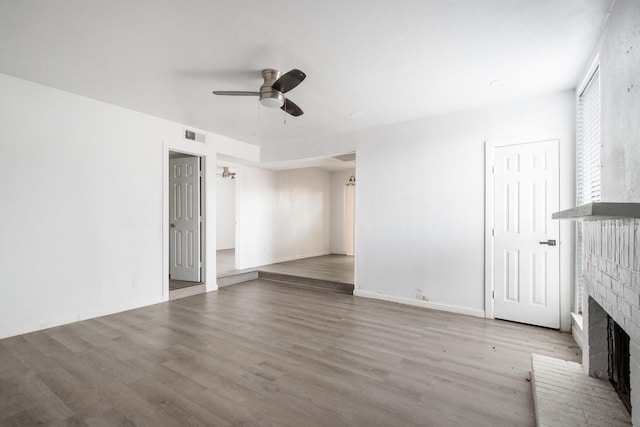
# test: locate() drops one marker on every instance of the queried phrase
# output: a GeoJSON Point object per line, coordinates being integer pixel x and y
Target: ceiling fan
{"type": "Point", "coordinates": [273, 89]}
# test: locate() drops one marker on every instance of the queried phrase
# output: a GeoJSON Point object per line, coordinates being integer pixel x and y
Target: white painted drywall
{"type": "Point", "coordinates": [225, 213]}
{"type": "Point", "coordinates": [420, 231]}
{"type": "Point", "coordinates": [84, 225]}
{"type": "Point", "coordinates": [83, 233]}
{"type": "Point", "coordinates": [338, 180]}
{"type": "Point", "coordinates": [282, 215]}
{"type": "Point", "coordinates": [420, 199]}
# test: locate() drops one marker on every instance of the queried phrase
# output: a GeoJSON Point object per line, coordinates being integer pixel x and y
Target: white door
{"type": "Point", "coordinates": [526, 256]}
{"type": "Point", "coordinates": [184, 219]}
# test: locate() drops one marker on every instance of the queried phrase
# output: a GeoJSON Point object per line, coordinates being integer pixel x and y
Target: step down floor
{"type": "Point", "coordinates": [323, 284]}
{"type": "Point", "coordinates": [327, 285]}
{"type": "Point", "coordinates": [234, 279]}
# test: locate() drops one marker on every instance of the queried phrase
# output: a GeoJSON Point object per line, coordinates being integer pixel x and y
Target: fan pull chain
{"type": "Point", "coordinates": [285, 107]}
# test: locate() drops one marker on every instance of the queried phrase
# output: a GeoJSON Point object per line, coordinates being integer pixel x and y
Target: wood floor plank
{"type": "Point", "coordinates": [271, 354]}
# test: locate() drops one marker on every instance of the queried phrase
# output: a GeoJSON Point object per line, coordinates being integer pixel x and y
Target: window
{"type": "Point", "coordinates": [587, 165]}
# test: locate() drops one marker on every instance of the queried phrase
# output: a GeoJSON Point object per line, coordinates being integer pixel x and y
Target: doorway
{"type": "Point", "coordinates": [226, 221]}
{"type": "Point", "coordinates": [523, 257]}
{"type": "Point", "coordinates": [186, 220]}
{"type": "Point", "coordinates": [349, 215]}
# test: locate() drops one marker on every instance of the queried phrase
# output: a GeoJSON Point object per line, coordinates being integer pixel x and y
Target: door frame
{"type": "Point", "coordinates": [207, 164]}
{"type": "Point", "coordinates": [566, 154]}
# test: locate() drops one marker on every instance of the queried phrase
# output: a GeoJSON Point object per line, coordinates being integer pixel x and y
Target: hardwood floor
{"type": "Point", "coordinates": [180, 284]}
{"type": "Point", "coordinates": [333, 267]}
{"type": "Point", "coordinates": [264, 353]}
{"type": "Point", "coordinates": [338, 268]}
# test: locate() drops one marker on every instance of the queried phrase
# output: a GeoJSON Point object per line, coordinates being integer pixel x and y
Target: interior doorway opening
{"type": "Point", "coordinates": [226, 218]}
{"type": "Point", "coordinates": [349, 215]}
{"type": "Point", "coordinates": [186, 220]}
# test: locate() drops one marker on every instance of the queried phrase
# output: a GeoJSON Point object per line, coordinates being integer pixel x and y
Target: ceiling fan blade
{"type": "Point", "coordinates": [291, 108]}
{"type": "Point", "coordinates": [288, 81]}
{"type": "Point", "coordinates": [235, 93]}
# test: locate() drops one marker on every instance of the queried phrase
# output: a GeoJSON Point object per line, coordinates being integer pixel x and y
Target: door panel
{"type": "Point", "coordinates": [184, 219]}
{"type": "Point", "coordinates": [526, 272]}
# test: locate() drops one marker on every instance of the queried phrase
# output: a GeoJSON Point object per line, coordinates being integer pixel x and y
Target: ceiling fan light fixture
{"type": "Point", "coordinates": [272, 99]}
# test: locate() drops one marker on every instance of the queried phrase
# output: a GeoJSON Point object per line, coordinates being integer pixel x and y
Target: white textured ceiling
{"type": "Point", "coordinates": [368, 63]}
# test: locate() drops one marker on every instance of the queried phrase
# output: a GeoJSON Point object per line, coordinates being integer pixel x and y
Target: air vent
{"type": "Point", "coordinates": [193, 136]}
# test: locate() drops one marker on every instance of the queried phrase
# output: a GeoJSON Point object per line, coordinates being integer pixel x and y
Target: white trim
{"type": "Point", "coordinates": [418, 303]}
{"type": "Point", "coordinates": [489, 222]}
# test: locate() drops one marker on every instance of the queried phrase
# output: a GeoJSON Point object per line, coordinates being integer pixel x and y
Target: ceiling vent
{"type": "Point", "coordinates": [193, 136]}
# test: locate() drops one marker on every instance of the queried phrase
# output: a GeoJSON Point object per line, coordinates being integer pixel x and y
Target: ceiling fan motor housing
{"type": "Point", "coordinates": [270, 97]}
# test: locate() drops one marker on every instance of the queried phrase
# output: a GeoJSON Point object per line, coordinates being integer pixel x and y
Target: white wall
{"type": "Point", "coordinates": [225, 213]}
{"type": "Point", "coordinates": [338, 180]}
{"type": "Point", "coordinates": [84, 194]}
{"type": "Point", "coordinates": [282, 215]}
{"type": "Point", "coordinates": [83, 185]}
{"type": "Point", "coordinates": [420, 231]}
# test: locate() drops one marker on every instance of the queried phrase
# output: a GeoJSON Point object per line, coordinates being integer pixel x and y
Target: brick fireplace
{"type": "Point", "coordinates": [611, 270]}
{"type": "Point", "coordinates": [611, 301]}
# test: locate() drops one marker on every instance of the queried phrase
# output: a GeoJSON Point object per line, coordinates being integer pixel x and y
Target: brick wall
{"type": "Point", "coordinates": [612, 278]}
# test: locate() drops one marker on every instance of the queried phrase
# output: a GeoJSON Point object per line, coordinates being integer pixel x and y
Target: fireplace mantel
{"type": "Point", "coordinates": [600, 211]}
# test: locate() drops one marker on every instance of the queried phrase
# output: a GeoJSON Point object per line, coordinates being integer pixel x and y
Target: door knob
{"type": "Point", "coordinates": [172, 226]}
{"type": "Point", "coordinates": [549, 242]}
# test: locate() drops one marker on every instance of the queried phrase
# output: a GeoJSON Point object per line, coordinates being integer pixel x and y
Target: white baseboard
{"type": "Point", "coordinates": [68, 318]}
{"type": "Point", "coordinates": [419, 303]}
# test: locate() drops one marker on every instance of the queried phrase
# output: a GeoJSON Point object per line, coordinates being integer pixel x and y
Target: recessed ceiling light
{"type": "Point", "coordinates": [355, 114]}
{"type": "Point", "coordinates": [497, 83]}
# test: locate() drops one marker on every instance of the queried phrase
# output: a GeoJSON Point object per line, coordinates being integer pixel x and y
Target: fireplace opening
{"type": "Point", "coordinates": [619, 369]}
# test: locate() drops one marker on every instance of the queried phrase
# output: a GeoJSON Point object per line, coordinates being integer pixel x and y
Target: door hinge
{"type": "Point", "coordinates": [493, 169]}
{"type": "Point", "coordinates": [493, 231]}
{"type": "Point", "coordinates": [493, 294]}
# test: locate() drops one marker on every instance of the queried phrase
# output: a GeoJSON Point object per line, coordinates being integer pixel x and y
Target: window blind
{"type": "Point", "coordinates": [588, 136]}
{"type": "Point", "coordinates": [587, 165]}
